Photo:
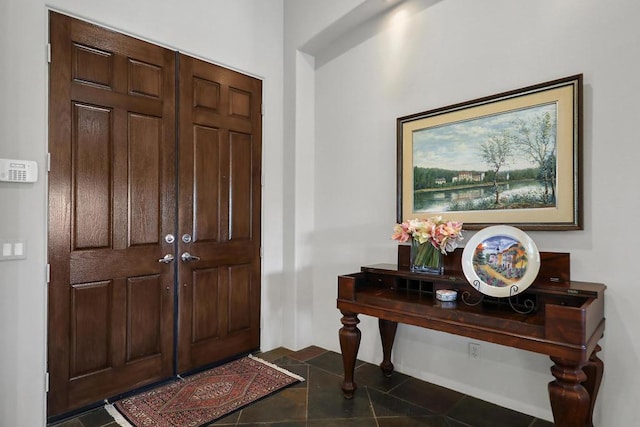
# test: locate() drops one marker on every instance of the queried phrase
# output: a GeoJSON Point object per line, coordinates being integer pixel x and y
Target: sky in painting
{"type": "Point", "coordinates": [456, 146]}
{"type": "Point", "coordinates": [499, 243]}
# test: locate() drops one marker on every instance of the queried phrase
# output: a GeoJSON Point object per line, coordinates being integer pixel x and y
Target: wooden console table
{"type": "Point", "coordinates": [567, 323]}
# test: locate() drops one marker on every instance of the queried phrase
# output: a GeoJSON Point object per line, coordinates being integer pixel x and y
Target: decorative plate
{"type": "Point", "coordinates": [500, 261]}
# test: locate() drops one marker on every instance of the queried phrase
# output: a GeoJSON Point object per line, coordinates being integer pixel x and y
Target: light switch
{"type": "Point", "coordinates": [18, 249]}
{"type": "Point", "coordinates": [12, 249]}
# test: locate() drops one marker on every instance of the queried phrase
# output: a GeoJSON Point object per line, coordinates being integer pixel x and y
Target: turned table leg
{"type": "Point", "coordinates": [570, 400]}
{"type": "Point", "coordinates": [349, 345]}
{"type": "Point", "coordinates": [593, 369]}
{"type": "Point", "coordinates": [387, 336]}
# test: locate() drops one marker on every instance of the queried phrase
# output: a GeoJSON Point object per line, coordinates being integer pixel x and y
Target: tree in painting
{"type": "Point", "coordinates": [496, 152]}
{"type": "Point", "coordinates": [537, 139]}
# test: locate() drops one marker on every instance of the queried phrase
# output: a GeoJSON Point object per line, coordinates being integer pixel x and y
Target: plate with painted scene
{"type": "Point", "coordinates": [500, 261]}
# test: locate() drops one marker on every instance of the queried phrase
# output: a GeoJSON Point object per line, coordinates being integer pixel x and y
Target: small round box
{"type": "Point", "coordinates": [446, 295]}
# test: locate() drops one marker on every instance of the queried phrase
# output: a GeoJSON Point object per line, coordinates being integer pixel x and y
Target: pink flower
{"type": "Point", "coordinates": [400, 233]}
{"type": "Point", "coordinates": [443, 235]}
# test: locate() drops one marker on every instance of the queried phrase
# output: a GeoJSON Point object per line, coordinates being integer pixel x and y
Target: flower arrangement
{"type": "Point", "coordinates": [443, 236]}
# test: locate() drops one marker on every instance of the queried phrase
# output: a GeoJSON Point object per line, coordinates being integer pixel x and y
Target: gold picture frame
{"type": "Point", "coordinates": [514, 158]}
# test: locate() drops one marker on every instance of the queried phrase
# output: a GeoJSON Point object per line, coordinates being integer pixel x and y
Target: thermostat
{"type": "Point", "coordinates": [18, 170]}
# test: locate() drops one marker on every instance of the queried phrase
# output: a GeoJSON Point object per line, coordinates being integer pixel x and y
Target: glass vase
{"type": "Point", "coordinates": [425, 258]}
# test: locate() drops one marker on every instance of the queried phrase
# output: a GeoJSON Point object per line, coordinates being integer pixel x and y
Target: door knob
{"type": "Point", "coordinates": [186, 256]}
{"type": "Point", "coordinates": [166, 259]}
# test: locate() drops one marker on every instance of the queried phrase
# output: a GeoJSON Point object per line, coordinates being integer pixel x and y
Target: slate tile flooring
{"type": "Point", "coordinates": [398, 401]}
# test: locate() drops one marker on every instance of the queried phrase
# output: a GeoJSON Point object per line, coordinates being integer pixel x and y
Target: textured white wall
{"type": "Point", "coordinates": [241, 34]}
{"type": "Point", "coordinates": [452, 51]}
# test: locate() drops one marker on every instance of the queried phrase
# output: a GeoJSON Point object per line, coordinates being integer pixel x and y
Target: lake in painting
{"type": "Point", "coordinates": [474, 198]}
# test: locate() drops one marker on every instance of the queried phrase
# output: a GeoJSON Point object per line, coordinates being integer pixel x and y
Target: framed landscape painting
{"type": "Point", "coordinates": [512, 158]}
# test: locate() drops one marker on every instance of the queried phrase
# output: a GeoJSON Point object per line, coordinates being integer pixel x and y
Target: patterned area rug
{"type": "Point", "coordinates": [202, 398]}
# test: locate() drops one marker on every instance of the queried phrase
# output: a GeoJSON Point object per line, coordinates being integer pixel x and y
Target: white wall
{"type": "Point", "coordinates": [451, 51]}
{"type": "Point", "coordinates": [303, 20]}
{"type": "Point", "coordinates": [241, 34]}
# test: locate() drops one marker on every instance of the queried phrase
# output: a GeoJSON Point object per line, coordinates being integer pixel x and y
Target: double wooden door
{"type": "Point", "coordinates": [154, 214]}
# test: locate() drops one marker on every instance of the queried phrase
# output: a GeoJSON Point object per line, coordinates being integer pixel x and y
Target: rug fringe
{"type": "Point", "coordinates": [117, 416]}
{"type": "Point", "coordinates": [277, 368]}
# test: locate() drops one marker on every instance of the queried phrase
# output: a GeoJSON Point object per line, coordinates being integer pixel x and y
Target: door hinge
{"type": "Point", "coordinates": [49, 53]}
{"type": "Point", "coordinates": [46, 382]}
{"type": "Point", "coordinates": [48, 162]}
{"type": "Point", "coordinates": [261, 252]}
{"type": "Point", "coordinates": [262, 109]}
{"type": "Point", "coordinates": [48, 273]}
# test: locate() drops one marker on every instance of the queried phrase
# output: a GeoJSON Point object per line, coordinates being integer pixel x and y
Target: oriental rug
{"type": "Point", "coordinates": [204, 397]}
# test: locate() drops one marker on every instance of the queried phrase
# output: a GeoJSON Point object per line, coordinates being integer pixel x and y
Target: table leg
{"type": "Point", "coordinates": [349, 345]}
{"type": "Point", "coordinates": [594, 370]}
{"type": "Point", "coordinates": [570, 401]}
{"type": "Point", "coordinates": [387, 336]}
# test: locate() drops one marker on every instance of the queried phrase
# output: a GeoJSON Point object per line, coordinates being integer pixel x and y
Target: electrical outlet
{"type": "Point", "coordinates": [474, 351]}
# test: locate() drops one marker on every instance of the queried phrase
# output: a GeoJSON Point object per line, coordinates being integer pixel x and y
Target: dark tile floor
{"type": "Point", "coordinates": [398, 401]}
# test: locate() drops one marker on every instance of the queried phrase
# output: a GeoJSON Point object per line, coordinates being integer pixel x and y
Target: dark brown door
{"type": "Point", "coordinates": [112, 203]}
{"type": "Point", "coordinates": [219, 208]}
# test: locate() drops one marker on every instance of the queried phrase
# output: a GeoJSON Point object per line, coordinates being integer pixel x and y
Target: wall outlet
{"type": "Point", "coordinates": [474, 351]}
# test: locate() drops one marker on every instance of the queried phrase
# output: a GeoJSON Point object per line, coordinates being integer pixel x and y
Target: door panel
{"type": "Point", "coordinates": [206, 147]}
{"type": "Point", "coordinates": [241, 185]}
{"type": "Point", "coordinates": [111, 199]}
{"type": "Point", "coordinates": [144, 172]}
{"type": "Point", "coordinates": [144, 324]}
{"type": "Point", "coordinates": [219, 206]}
{"type": "Point", "coordinates": [91, 159]}
{"type": "Point", "coordinates": [206, 316]}
{"type": "Point", "coordinates": [240, 291]}
{"type": "Point", "coordinates": [90, 303]}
